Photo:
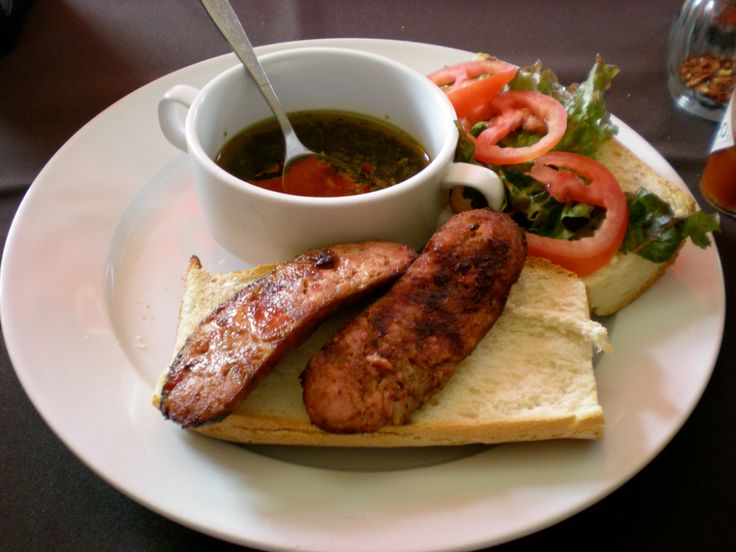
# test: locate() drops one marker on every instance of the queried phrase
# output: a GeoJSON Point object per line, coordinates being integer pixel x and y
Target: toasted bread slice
{"type": "Point", "coordinates": [530, 378]}
{"type": "Point", "coordinates": [627, 276]}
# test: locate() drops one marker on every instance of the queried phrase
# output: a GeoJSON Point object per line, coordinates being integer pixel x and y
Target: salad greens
{"type": "Point", "coordinates": [653, 231]}
{"type": "Point", "coordinates": [588, 121]}
{"type": "Point", "coordinates": [534, 209]}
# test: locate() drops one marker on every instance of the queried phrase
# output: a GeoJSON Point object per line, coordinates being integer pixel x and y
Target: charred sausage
{"type": "Point", "coordinates": [245, 337]}
{"type": "Point", "coordinates": [386, 363]}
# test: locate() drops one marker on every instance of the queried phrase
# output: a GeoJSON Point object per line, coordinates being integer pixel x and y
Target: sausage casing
{"type": "Point", "coordinates": [241, 340]}
{"type": "Point", "coordinates": [387, 362]}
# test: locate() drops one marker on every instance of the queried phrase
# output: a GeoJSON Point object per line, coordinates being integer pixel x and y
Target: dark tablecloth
{"type": "Point", "coordinates": [73, 58]}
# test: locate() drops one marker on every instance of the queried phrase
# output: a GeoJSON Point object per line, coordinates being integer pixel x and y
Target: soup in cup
{"type": "Point", "coordinates": [260, 225]}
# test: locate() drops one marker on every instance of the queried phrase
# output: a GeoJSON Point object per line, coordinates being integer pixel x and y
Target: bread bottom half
{"type": "Point", "coordinates": [531, 377]}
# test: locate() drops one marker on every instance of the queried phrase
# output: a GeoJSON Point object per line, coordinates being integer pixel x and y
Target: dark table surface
{"type": "Point", "coordinates": [74, 58]}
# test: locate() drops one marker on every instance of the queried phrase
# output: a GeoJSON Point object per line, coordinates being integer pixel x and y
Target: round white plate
{"type": "Point", "coordinates": [91, 280]}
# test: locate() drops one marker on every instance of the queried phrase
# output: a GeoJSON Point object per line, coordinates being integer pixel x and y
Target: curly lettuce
{"type": "Point", "coordinates": [588, 120]}
{"type": "Point", "coordinates": [531, 206]}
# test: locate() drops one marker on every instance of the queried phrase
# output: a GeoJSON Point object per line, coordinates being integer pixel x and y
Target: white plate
{"type": "Point", "coordinates": [91, 278]}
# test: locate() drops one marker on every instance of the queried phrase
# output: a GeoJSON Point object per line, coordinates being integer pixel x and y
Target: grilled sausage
{"type": "Point", "coordinates": [386, 363]}
{"type": "Point", "coordinates": [246, 336]}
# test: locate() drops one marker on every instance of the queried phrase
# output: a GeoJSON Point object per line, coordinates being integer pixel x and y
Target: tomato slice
{"type": "Point", "coordinates": [585, 255]}
{"type": "Point", "coordinates": [468, 85]}
{"type": "Point", "coordinates": [509, 111]}
{"type": "Point", "coordinates": [314, 177]}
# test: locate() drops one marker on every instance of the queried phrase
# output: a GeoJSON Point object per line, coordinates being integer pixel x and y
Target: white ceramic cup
{"type": "Point", "coordinates": [258, 225]}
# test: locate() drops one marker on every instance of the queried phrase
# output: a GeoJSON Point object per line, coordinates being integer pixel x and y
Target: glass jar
{"type": "Point", "coordinates": [701, 59]}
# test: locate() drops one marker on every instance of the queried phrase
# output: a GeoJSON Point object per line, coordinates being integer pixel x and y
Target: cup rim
{"type": "Point", "coordinates": [438, 163]}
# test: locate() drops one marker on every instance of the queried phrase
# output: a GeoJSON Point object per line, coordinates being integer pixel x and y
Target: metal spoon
{"type": "Point", "coordinates": [225, 19]}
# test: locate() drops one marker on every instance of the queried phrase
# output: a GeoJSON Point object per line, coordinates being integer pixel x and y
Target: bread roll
{"type": "Point", "coordinates": [628, 275]}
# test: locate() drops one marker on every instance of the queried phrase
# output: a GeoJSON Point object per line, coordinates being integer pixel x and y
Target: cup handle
{"type": "Point", "coordinates": [483, 179]}
{"type": "Point", "coordinates": [171, 123]}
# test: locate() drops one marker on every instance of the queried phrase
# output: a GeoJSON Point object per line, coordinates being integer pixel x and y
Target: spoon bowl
{"type": "Point", "coordinates": [227, 22]}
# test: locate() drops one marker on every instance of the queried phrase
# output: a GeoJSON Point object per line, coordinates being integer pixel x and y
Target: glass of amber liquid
{"type": "Point", "coordinates": [718, 182]}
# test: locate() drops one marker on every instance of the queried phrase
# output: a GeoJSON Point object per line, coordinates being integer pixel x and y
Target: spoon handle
{"type": "Point", "coordinates": [225, 19]}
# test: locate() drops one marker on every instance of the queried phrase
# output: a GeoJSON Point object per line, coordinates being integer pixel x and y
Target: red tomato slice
{"type": "Point", "coordinates": [513, 109]}
{"type": "Point", "coordinates": [585, 255]}
{"type": "Point", "coordinates": [314, 177]}
{"type": "Point", "coordinates": [468, 85]}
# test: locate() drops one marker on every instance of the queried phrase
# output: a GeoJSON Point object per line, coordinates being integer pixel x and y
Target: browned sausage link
{"type": "Point", "coordinates": [387, 362]}
{"type": "Point", "coordinates": [243, 338]}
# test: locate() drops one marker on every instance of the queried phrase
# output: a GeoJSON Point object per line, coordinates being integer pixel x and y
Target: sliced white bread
{"type": "Point", "coordinates": [530, 378]}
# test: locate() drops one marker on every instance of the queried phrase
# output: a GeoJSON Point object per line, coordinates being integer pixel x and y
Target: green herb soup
{"type": "Point", "coordinates": [366, 154]}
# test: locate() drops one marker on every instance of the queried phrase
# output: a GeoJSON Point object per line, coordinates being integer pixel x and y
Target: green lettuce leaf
{"type": "Point", "coordinates": [656, 234]}
{"type": "Point", "coordinates": [465, 149]}
{"type": "Point", "coordinates": [531, 206]}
